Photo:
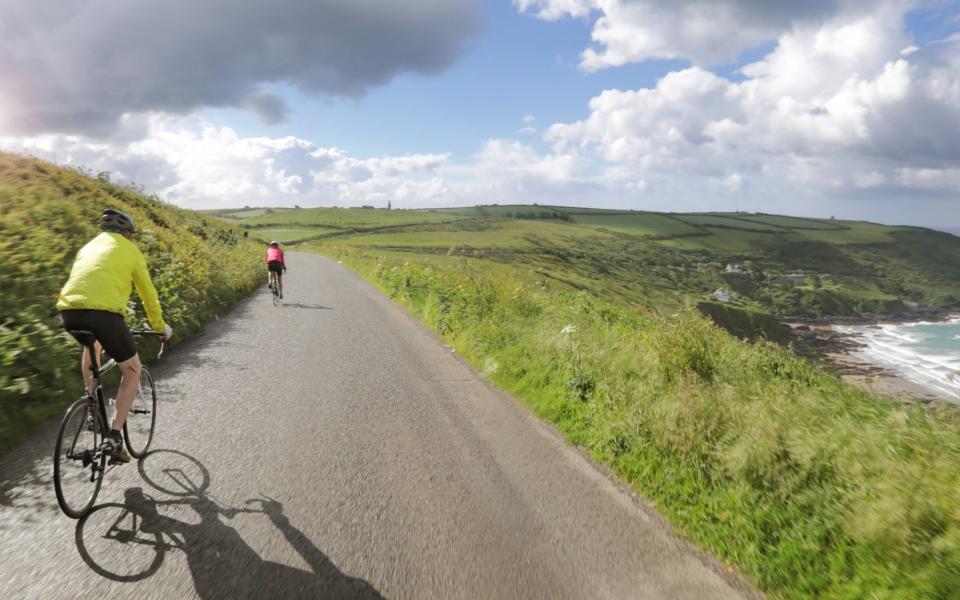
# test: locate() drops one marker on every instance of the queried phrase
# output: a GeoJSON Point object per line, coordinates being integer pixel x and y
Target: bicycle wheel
{"type": "Point", "coordinates": [77, 470]}
{"type": "Point", "coordinates": [138, 430]}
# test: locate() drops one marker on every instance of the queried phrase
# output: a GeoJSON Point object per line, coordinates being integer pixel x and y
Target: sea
{"type": "Point", "coordinates": [926, 353]}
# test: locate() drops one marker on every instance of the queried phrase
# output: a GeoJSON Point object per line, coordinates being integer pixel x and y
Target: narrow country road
{"type": "Point", "coordinates": [331, 448]}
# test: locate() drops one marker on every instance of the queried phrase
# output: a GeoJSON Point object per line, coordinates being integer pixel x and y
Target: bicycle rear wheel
{"type": "Point", "coordinates": [138, 430]}
{"type": "Point", "coordinates": [77, 469]}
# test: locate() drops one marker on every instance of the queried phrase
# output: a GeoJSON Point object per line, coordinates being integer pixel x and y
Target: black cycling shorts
{"type": "Point", "coordinates": [109, 328]}
{"type": "Point", "coordinates": [275, 266]}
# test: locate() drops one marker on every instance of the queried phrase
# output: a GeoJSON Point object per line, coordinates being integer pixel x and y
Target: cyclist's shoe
{"type": "Point", "coordinates": [113, 445]}
{"type": "Point", "coordinates": [281, 294]}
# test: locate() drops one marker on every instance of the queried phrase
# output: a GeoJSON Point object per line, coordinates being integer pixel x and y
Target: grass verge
{"type": "Point", "coordinates": [808, 486]}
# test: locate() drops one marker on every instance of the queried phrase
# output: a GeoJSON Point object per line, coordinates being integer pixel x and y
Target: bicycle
{"type": "Point", "coordinates": [275, 290]}
{"type": "Point", "coordinates": [78, 462]}
{"type": "Point", "coordinates": [274, 285]}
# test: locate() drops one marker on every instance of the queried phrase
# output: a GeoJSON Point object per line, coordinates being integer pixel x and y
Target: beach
{"type": "Point", "coordinates": [915, 361]}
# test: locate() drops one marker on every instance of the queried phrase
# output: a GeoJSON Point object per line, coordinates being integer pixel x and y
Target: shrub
{"type": "Point", "coordinates": [199, 267]}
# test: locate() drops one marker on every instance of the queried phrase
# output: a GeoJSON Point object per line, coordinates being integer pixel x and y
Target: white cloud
{"type": "Point", "coordinates": [528, 128]}
{"type": "Point", "coordinates": [939, 180]}
{"type": "Point", "coordinates": [734, 182]}
{"type": "Point", "coordinates": [557, 9]}
{"type": "Point", "coordinates": [196, 165]}
{"type": "Point", "coordinates": [704, 31]}
{"type": "Point", "coordinates": [833, 107]}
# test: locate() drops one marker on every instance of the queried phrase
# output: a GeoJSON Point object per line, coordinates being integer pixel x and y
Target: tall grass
{"type": "Point", "coordinates": [810, 487]}
{"type": "Point", "coordinates": [200, 266]}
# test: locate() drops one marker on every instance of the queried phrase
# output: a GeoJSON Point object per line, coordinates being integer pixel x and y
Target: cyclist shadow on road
{"type": "Point", "coordinates": [222, 563]}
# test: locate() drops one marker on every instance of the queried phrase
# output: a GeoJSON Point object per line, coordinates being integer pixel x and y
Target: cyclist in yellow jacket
{"type": "Point", "coordinates": [94, 299]}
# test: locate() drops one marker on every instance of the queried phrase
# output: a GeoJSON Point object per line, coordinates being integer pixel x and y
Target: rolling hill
{"type": "Point", "coordinates": [788, 266]}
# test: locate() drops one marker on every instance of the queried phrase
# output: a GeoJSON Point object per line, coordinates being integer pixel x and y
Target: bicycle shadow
{"type": "Point", "coordinates": [309, 306]}
{"type": "Point", "coordinates": [132, 539]}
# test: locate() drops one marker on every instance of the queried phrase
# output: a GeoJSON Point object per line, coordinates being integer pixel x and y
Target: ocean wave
{"type": "Point", "coordinates": [925, 357]}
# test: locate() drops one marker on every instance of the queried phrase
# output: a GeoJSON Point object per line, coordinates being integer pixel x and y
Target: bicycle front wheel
{"type": "Point", "coordinates": [138, 430]}
{"type": "Point", "coordinates": [77, 469]}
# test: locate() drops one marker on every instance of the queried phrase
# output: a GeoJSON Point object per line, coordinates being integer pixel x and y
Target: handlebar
{"type": "Point", "coordinates": [147, 332]}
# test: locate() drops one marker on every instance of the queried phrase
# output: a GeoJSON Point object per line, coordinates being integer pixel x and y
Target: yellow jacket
{"type": "Point", "coordinates": [102, 275]}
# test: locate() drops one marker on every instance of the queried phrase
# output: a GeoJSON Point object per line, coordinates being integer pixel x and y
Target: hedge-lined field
{"type": "Point", "coordinates": [200, 266]}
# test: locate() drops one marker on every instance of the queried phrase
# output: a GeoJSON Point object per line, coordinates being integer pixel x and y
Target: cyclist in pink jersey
{"type": "Point", "coordinates": [275, 266]}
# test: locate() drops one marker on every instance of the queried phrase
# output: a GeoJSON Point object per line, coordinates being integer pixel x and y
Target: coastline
{"type": "Point", "coordinates": [931, 315]}
{"type": "Point", "coordinates": [882, 380]}
{"type": "Point", "coordinates": [839, 348]}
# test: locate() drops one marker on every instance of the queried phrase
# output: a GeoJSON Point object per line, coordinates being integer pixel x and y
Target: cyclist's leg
{"type": "Point", "coordinates": [113, 334]}
{"type": "Point", "coordinates": [129, 385]}
{"type": "Point", "coordinates": [85, 366]}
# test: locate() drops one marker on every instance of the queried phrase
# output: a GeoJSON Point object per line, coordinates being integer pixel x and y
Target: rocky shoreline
{"type": "Point", "coordinates": [822, 340]}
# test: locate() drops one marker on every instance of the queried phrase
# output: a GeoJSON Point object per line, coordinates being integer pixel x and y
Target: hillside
{"type": "Point", "coordinates": [788, 266]}
{"type": "Point", "coordinates": [199, 265]}
{"type": "Point", "coordinates": [764, 458]}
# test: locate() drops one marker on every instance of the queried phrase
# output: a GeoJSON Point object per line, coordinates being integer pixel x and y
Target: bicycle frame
{"type": "Point", "coordinates": [97, 399]}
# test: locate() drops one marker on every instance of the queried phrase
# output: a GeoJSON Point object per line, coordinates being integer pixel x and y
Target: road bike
{"type": "Point", "coordinates": [274, 285]}
{"type": "Point", "coordinates": [275, 290]}
{"type": "Point", "coordinates": [78, 461]}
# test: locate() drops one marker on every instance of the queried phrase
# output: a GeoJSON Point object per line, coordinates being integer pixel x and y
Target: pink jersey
{"type": "Point", "coordinates": [275, 254]}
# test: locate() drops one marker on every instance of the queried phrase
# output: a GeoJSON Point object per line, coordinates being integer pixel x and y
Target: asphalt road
{"type": "Point", "coordinates": [334, 447]}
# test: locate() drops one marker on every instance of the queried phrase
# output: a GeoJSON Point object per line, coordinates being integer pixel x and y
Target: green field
{"type": "Point", "coordinates": [241, 214]}
{"type": "Point", "coordinates": [489, 234]}
{"type": "Point", "coordinates": [286, 235]}
{"type": "Point", "coordinates": [798, 223]}
{"type": "Point", "coordinates": [199, 265]}
{"type": "Point", "coordinates": [711, 220]}
{"type": "Point", "coordinates": [856, 233]}
{"type": "Point", "coordinates": [650, 224]}
{"type": "Point", "coordinates": [509, 211]}
{"type": "Point", "coordinates": [335, 218]}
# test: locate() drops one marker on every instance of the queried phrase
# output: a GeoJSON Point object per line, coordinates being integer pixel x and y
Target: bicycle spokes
{"type": "Point", "coordinates": [78, 461]}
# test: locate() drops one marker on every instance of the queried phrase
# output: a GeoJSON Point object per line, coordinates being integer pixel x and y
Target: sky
{"type": "Point", "coordinates": [844, 108]}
